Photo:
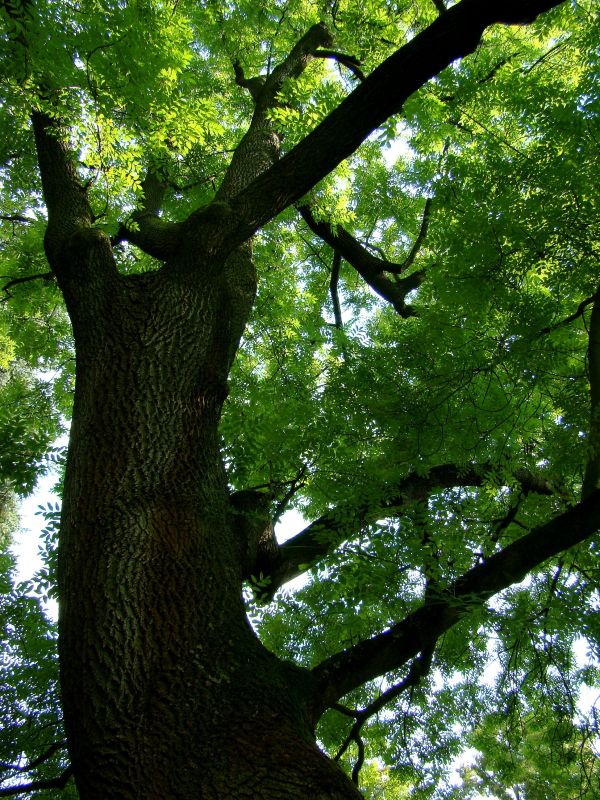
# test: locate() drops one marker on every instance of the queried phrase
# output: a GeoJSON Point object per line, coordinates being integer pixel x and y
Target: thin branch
{"type": "Point", "coordinates": [351, 62]}
{"type": "Point", "coordinates": [48, 753]}
{"type": "Point", "coordinates": [414, 252]}
{"type": "Point", "coordinates": [345, 671]}
{"type": "Point", "coordinates": [333, 290]}
{"type": "Point", "coordinates": [51, 783]}
{"type": "Point", "coordinates": [591, 479]}
{"type": "Point", "coordinates": [419, 668]}
{"type": "Point", "coordinates": [45, 276]}
{"type": "Point", "coordinates": [369, 267]}
{"type": "Point", "coordinates": [567, 320]}
{"type": "Point", "coordinates": [16, 218]}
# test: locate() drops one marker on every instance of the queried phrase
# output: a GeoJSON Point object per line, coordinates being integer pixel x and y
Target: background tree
{"type": "Point", "coordinates": [392, 207]}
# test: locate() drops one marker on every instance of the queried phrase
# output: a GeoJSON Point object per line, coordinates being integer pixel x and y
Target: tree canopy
{"type": "Point", "coordinates": [418, 378]}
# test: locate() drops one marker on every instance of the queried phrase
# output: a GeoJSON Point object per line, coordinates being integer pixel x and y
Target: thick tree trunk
{"type": "Point", "coordinates": [167, 692]}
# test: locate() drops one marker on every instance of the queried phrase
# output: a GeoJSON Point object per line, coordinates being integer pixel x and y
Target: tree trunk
{"type": "Point", "coordinates": [167, 692]}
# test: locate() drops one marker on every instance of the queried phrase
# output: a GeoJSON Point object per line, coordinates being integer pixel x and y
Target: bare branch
{"type": "Point", "coordinates": [48, 753]}
{"type": "Point", "coordinates": [333, 289]}
{"type": "Point", "coordinates": [16, 218]}
{"type": "Point", "coordinates": [567, 321]}
{"type": "Point", "coordinates": [341, 673]}
{"type": "Point", "coordinates": [419, 668]}
{"type": "Point", "coordinates": [414, 252]}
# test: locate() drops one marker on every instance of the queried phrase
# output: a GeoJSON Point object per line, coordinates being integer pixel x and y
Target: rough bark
{"type": "Point", "coordinates": [167, 693]}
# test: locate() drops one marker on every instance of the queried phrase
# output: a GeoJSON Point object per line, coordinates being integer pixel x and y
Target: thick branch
{"type": "Point", "coordinates": [69, 211]}
{"type": "Point", "coordinates": [454, 34]}
{"type": "Point", "coordinates": [259, 148]}
{"type": "Point", "coordinates": [347, 670]}
{"type": "Point", "coordinates": [146, 230]}
{"type": "Point", "coordinates": [368, 266]}
{"type": "Point", "coordinates": [295, 556]}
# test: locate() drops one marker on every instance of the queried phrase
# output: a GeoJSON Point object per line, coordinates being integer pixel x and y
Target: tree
{"type": "Point", "coordinates": [418, 371]}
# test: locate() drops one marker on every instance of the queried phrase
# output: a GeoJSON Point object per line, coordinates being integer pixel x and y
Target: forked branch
{"type": "Point", "coordinates": [345, 671]}
{"type": "Point", "coordinates": [420, 666]}
{"type": "Point", "coordinates": [302, 551]}
{"type": "Point", "coordinates": [368, 266]}
{"type": "Point", "coordinates": [453, 35]}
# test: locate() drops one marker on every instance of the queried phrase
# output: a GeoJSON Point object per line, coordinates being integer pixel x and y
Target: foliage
{"type": "Point", "coordinates": [491, 369]}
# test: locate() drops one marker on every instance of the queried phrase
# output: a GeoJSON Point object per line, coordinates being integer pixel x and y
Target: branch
{"type": "Point", "coordinates": [567, 321]}
{"type": "Point", "coordinates": [440, 5]}
{"type": "Point", "coordinates": [351, 62]}
{"type": "Point", "coordinates": [69, 211]}
{"type": "Point", "coordinates": [259, 148]}
{"type": "Point", "coordinates": [16, 218]}
{"type": "Point", "coordinates": [591, 479]}
{"type": "Point", "coordinates": [368, 266]}
{"type": "Point", "coordinates": [349, 669]}
{"type": "Point", "coordinates": [153, 235]}
{"type": "Point", "coordinates": [333, 290]}
{"type": "Point", "coordinates": [418, 669]}
{"type": "Point", "coordinates": [51, 783]}
{"type": "Point", "coordinates": [302, 551]}
{"type": "Point", "coordinates": [414, 252]}
{"type": "Point", "coordinates": [45, 276]}
{"type": "Point", "coordinates": [453, 35]}
{"type": "Point", "coordinates": [48, 753]}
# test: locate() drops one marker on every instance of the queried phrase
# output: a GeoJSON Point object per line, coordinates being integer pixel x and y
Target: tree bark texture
{"type": "Point", "coordinates": [167, 692]}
